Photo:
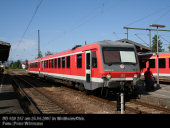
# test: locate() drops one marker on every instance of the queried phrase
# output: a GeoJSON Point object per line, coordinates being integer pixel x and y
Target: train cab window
{"type": "Point", "coordinates": [152, 63]}
{"type": "Point", "coordinates": [119, 55]}
{"type": "Point", "coordinates": [55, 63]}
{"type": "Point", "coordinates": [162, 63]}
{"type": "Point", "coordinates": [94, 60]}
{"type": "Point", "coordinates": [63, 62]}
{"type": "Point", "coordinates": [79, 61]}
{"type": "Point", "coordinates": [59, 62]}
{"type": "Point", "coordinates": [68, 61]}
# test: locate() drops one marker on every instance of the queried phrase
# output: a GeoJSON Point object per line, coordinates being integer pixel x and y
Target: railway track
{"type": "Point", "coordinates": [41, 103]}
{"type": "Point", "coordinates": [76, 102]}
{"type": "Point", "coordinates": [132, 106]}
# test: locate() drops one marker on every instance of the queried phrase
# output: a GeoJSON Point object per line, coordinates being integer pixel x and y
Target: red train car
{"type": "Point", "coordinates": [104, 65]}
{"type": "Point", "coordinates": [150, 60]}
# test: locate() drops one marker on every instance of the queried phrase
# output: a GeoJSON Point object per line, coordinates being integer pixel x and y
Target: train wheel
{"type": "Point", "coordinates": [81, 87]}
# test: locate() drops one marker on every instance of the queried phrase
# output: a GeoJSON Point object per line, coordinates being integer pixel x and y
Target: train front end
{"type": "Point", "coordinates": [120, 66]}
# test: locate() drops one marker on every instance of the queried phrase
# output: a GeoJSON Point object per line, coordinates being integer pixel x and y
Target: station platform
{"type": "Point", "coordinates": [9, 103]}
{"type": "Point", "coordinates": [157, 96]}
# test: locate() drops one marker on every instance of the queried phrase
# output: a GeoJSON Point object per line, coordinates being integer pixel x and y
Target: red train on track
{"type": "Point", "coordinates": [150, 60]}
{"type": "Point", "coordinates": [102, 65]}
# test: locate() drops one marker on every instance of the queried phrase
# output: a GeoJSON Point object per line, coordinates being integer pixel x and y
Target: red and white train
{"type": "Point", "coordinates": [104, 64]}
{"type": "Point", "coordinates": [149, 60]}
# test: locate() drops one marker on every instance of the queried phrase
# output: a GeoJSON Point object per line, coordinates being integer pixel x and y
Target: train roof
{"type": "Point", "coordinates": [114, 43]}
{"type": "Point", "coordinates": [93, 45]}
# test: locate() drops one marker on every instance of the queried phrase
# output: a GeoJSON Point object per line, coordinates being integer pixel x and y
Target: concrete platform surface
{"type": "Point", "coordinates": [158, 96]}
{"type": "Point", "coordinates": [8, 100]}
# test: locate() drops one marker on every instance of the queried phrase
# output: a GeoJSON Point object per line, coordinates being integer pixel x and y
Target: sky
{"type": "Point", "coordinates": [66, 23]}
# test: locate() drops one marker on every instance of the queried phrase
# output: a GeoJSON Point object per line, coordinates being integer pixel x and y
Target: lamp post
{"type": "Point", "coordinates": [161, 26]}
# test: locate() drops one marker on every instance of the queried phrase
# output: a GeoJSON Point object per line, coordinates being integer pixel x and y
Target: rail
{"type": "Point", "coordinates": [32, 102]}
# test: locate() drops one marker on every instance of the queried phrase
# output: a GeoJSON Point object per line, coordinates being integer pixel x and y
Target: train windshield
{"type": "Point", "coordinates": [113, 55]}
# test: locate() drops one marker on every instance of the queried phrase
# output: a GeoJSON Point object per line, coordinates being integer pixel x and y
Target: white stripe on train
{"type": "Point", "coordinates": [99, 80]}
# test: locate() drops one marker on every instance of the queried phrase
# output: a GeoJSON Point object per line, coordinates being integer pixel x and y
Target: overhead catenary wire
{"type": "Point", "coordinates": [29, 23]}
{"type": "Point", "coordinates": [160, 18]}
{"type": "Point", "coordinates": [148, 16]}
{"type": "Point", "coordinates": [141, 39]}
{"type": "Point", "coordinates": [116, 34]}
{"type": "Point", "coordinates": [164, 39]}
{"type": "Point", "coordinates": [88, 19]}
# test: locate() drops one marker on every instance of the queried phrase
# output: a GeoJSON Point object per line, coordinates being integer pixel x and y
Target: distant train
{"type": "Point", "coordinates": [103, 65]}
{"type": "Point", "coordinates": [150, 60]}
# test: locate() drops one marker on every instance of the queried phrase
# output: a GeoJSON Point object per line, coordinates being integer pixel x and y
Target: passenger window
{"type": "Point", "coordinates": [152, 63]}
{"type": "Point", "coordinates": [47, 63]}
{"type": "Point", "coordinates": [55, 63]}
{"type": "Point", "coordinates": [79, 61]}
{"type": "Point", "coordinates": [52, 63]}
{"type": "Point", "coordinates": [169, 62]}
{"type": "Point", "coordinates": [68, 61]}
{"type": "Point", "coordinates": [162, 63]}
{"type": "Point", "coordinates": [94, 60]}
{"type": "Point", "coordinates": [59, 62]}
{"type": "Point", "coordinates": [63, 62]}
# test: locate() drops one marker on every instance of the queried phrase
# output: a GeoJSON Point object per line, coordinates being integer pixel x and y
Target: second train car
{"type": "Point", "coordinates": [149, 60]}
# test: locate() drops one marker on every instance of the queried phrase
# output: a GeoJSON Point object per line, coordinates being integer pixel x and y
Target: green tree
{"type": "Point", "coordinates": [169, 48]}
{"type": "Point", "coordinates": [11, 65]}
{"type": "Point", "coordinates": [48, 53]}
{"type": "Point", "coordinates": [16, 65]}
{"type": "Point", "coordinates": [154, 44]}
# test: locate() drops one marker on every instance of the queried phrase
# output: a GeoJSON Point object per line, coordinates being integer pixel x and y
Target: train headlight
{"type": "Point", "coordinates": [108, 76]}
{"type": "Point", "coordinates": [135, 76]}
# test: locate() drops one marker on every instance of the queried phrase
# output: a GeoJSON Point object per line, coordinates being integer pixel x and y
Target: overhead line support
{"type": "Point", "coordinates": [147, 29]}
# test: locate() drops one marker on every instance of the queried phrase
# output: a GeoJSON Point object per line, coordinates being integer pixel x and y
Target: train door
{"type": "Point", "coordinates": [88, 66]}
